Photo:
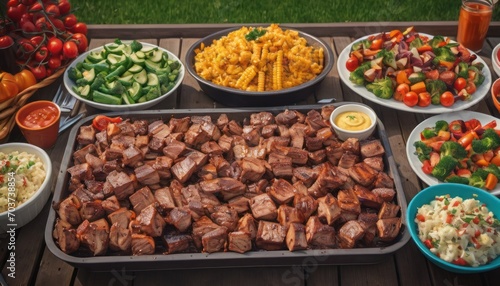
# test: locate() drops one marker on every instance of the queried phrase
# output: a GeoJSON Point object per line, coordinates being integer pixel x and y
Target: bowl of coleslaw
{"type": "Point", "coordinates": [456, 227]}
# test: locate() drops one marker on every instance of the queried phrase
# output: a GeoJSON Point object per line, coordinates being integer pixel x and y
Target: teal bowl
{"type": "Point", "coordinates": [466, 192]}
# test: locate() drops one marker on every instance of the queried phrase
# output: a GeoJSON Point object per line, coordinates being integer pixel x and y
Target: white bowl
{"type": "Point", "coordinates": [28, 210]}
{"type": "Point", "coordinates": [495, 61]}
{"type": "Point", "coordinates": [344, 134]}
{"type": "Point", "coordinates": [69, 84]}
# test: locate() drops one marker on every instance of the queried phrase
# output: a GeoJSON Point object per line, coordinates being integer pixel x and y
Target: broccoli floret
{"type": "Point", "coordinates": [437, 41]}
{"type": "Point", "coordinates": [153, 93]}
{"type": "Point", "coordinates": [422, 151]}
{"type": "Point", "coordinates": [457, 179]}
{"type": "Point", "coordinates": [478, 76]}
{"type": "Point", "coordinates": [135, 46]}
{"type": "Point", "coordinates": [463, 70]}
{"type": "Point", "coordinates": [389, 59]}
{"type": "Point", "coordinates": [435, 87]}
{"type": "Point", "coordinates": [357, 77]}
{"type": "Point", "coordinates": [117, 89]}
{"type": "Point", "coordinates": [489, 140]}
{"type": "Point", "coordinates": [416, 43]}
{"type": "Point", "coordinates": [163, 79]}
{"type": "Point", "coordinates": [443, 54]}
{"type": "Point", "coordinates": [98, 81]}
{"type": "Point", "coordinates": [453, 149]}
{"type": "Point", "coordinates": [441, 125]}
{"type": "Point", "coordinates": [381, 88]}
{"type": "Point", "coordinates": [481, 173]}
{"type": "Point", "coordinates": [476, 181]}
{"type": "Point", "coordinates": [492, 168]}
{"type": "Point", "coordinates": [444, 167]}
{"type": "Point", "coordinates": [74, 74]}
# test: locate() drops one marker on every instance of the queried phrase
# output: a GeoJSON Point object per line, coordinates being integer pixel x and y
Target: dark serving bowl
{"type": "Point", "coordinates": [240, 98]}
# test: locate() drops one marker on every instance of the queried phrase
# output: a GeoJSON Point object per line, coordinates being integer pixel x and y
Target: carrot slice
{"type": "Point", "coordinates": [490, 182]}
{"type": "Point", "coordinates": [418, 87]}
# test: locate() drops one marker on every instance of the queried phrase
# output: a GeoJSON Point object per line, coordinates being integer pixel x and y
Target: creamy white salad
{"type": "Point", "coordinates": [463, 232]}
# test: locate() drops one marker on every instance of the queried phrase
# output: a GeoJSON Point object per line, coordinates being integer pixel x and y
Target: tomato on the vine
{"type": "Point", "coordinates": [352, 63]}
{"type": "Point", "coordinates": [52, 10]}
{"type": "Point", "coordinates": [70, 21]}
{"type": "Point", "coordinates": [54, 62]}
{"type": "Point", "coordinates": [55, 46]}
{"type": "Point", "coordinates": [28, 27]}
{"type": "Point", "coordinates": [82, 42]}
{"type": "Point", "coordinates": [460, 83]}
{"type": "Point", "coordinates": [15, 12]}
{"type": "Point", "coordinates": [80, 28]}
{"type": "Point", "coordinates": [70, 50]}
{"type": "Point", "coordinates": [28, 2]}
{"type": "Point", "coordinates": [37, 40]}
{"type": "Point", "coordinates": [38, 71]}
{"type": "Point", "coordinates": [64, 7]}
{"type": "Point", "coordinates": [58, 24]}
{"type": "Point", "coordinates": [424, 99]}
{"type": "Point", "coordinates": [41, 54]}
{"type": "Point", "coordinates": [470, 87]}
{"type": "Point", "coordinates": [410, 98]}
{"type": "Point", "coordinates": [6, 41]}
{"type": "Point", "coordinates": [447, 99]}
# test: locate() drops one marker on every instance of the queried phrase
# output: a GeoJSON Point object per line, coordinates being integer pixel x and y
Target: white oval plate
{"type": "Point", "coordinates": [465, 115]}
{"type": "Point", "coordinates": [495, 62]}
{"type": "Point", "coordinates": [69, 84]}
{"type": "Point", "coordinates": [391, 103]}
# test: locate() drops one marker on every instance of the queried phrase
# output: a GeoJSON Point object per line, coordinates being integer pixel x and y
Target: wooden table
{"type": "Point", "coordinates": [36, 265]}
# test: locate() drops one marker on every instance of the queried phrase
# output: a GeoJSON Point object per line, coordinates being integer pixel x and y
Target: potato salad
{"type": "Point", "coordinates": [459, 231]}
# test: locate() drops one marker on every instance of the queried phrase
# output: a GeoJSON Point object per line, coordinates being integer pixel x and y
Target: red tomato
{"type": "Point", "coordinates": [432, 74]}
{"type": "Point", "coordinates": [28, 2]}
{"type": "Point", "coordinates": [447, 99]}
{"type": "Point", "coordinates": [6, 41]}
{"type": "Point", "coordinates": [460, 83]}
{"type": "Point", "coordinates": [12, 3]}
{"type": "Point", "coordinates": [410, 98]}
{"type": "Point", "coordinates": [28, 27]}
{"type": "Point", "coordinates": [352, 63]}
{"type": "Point", "coordinates": [52, 10]}
{"type": "Point", "coordinates": [55, 46]}
{"type": "Point", "coordinates": [70, 50]}
{"type": "Point", "coordinates": [376, 44]}
{"type": "Point", "coordinates": [427, 167]}
{"type": "Point", "coordinates": [54, 62]}
{"type": "Point", "coordinates": [64, 7]}
{"type": "Point", "coordinates": [82, 42]}
{"type": "Point", "coordinates": [70, 21]}
{"type": "Point", "coordinates": [400, 92]}
{"type": "Point", "coordinates": [25, 49]}
{"type": "Point", "coordinates": [16, 12]}
{"type": "Point", "coordinates": [41, 54]}
{"type": "Point", "coordinates": [39, 72]}
{"type": "Point", "coordinates": [58, 24]}
{"type": "Point", "coordinates": [80, 28]}
{"type": "Point", "coordinates": [36, 40]}
{"type": "Point", "coordinates": [424, 99]}
{"type": "Point", "coordinates": [470, 87]}
{"type": "Point", "coordinates": [100, 122]}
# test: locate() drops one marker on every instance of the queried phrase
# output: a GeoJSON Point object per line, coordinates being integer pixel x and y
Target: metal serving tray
{"type": "Point", "coordinates": [223, 259]}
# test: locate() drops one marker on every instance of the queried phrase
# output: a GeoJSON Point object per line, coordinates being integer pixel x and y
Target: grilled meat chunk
{"type": "Point", "coordinates": [141, 199]}
{"type": "Point", "coordinates": [386, 194]}
{"type": "Point", "coordinates": [120, 238]}
{"type": "Point", "coordinates": [281, 191]}
{"type": "Point", "coordinates": [225, 216]}
{"type": "Point", "coordinates": [377, 163]}
{"type": "Point", "coordinates": [150, 221]}
{"type": "Point", "coordinates": [319, 235]}
{"type": "Point", "coordinates": [201, 227]}
{"type": "Point", "coordinates": [92, 210]}
{"type": "Point", "coordinates": [371, 148]}
{"type": "Point", "coordinates": [348, 201]}
{"type": "Point", "coordinates": [388, 228]}
{"type": "Point", "coordinates": [328, 209]}
{"type": "Point", "coordinates": [142, 244]}
{"type": "Point", "coordinates": [180, 217]}
{"type": "Point", "coordinates": [362, 174]}
{"type": "Point", "coordinates": [388, 210]}
{"type": "Point", "coordinates": [367, 198]}
{"type": "Point", "coordinates": [305, 204]}
{"type": "Point", "coordinates": [263, 207]}
{"type": "Point", "coordinates": [383, 181]}
{"type": "Point", "coordinates": [296, 237]}
{"type": "Point", "coordinates": [119, 184]}
{"type": "Point", "coordinates": [288, 215]}
{"type": "Point", "coordinates": [94, 235]}
{"type": "Point", "coordinates": [178, 243]}
{"type": "Point", "coordinates": [164, 200]}
{"type": "Point", "coordinates": [239, 241]}
{"type": "Point", "coordinates": [350, 233]}
{"type": "Point", "coordinates": [247, 224]}
{"type": "Point", "coordinates": [270, 235]}
{"type": "Point", "coordinates": [86, 136]}
{"type": "Point", "coordinates": [215, 240]}
{"type": "Point", "coordinates": [66, 236]}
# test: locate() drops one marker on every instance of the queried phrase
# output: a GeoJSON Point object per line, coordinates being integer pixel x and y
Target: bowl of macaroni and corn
{"type": "Point", "coordinates": [25, 176]}
{"type": "Point", "coordinates": [259, 66]}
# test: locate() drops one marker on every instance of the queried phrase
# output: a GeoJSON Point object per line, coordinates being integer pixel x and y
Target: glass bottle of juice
{"type": "Point", "coordinates": [473, 23]}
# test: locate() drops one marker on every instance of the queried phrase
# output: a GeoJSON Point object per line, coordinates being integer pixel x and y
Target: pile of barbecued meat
{"type": "Point", "coordinates": [214, 184]}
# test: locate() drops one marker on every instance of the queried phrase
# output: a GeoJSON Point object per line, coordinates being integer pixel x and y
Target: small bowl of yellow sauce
{"type": "Point", "coordinates": [353, 120]}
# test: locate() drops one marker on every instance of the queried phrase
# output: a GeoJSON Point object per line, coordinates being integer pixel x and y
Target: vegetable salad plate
{"type": "Point", "coordinates": [495, 59]}
{"type": "Point", "coordinates": [481, 91]}
{"type": "Point", "coordinates": [416, 164]}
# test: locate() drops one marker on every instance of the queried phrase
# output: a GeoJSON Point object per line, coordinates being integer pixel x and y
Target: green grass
{"type": "Point", "coordinates": [264, 11]}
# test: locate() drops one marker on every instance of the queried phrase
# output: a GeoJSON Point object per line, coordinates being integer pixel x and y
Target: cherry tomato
{"type": "Point", "coordinates": [55, 46]}
{"type": "Point", "coordinates": [401, 90]}
{"type": "Point", "coordinates": [352, 63]}
{"type": "Point", "coordinates": [16, 12]}
{"type": "Point", "coordinates": [54, 62]}
{"type": "Point", "coordinates": [38, 71]}
{"type": "Point", "coordinates": [64, 7]}
{"type": "Point", "coordinates": [447, 99]}
{"type": "Point", "coordinates": [424, 99]}
{"type": "Point", "coordinates": [41, 54]}
{"type": "Point", "coordinates": [460, 83]}
{"type": "Point", "coordinates": [58, 24]}
{"type": "Point", "coordinates": [28, 2]}
{"type": "Point", "coordinates": [52, 10]}
{"type": "Point", "coordinates": [70, 21]}
{"type": "Point", "coordinates": [376, 44]}
{"type": "Point", "coordinates": [25, 18]}
{"type": "Point", "coordinates": [410, 98]}
{"type": "Point", "coordinates": [100, 122]}
{"type": "Point", "coordinates": [12, 3]}
{"type": "Point", "coordinates": [25, 48]}
{"type": "Point", "coordinates": [6, 41]}
{"type": "Point", "coordinates": [81, 41]}
{"type": "Point", "coordinates": [432, 74]}
{"type": "Point", "coordinates": [470, 87]}
{"type": "Point", "coordinates": [80, 28]}
{"type": "Point", "coordinates": [28, 27]}
{"type": "Point", "coordinates": [70, 50]}
{"type": "Point", "coordinates": [427, 167]}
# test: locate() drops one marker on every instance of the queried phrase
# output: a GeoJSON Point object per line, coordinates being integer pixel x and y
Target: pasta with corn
{"type": "Point", "coordinates": [275, 60]}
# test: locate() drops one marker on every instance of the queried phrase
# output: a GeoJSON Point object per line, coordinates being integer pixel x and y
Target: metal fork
{"type": "Point", "coordinates": [69, 106]}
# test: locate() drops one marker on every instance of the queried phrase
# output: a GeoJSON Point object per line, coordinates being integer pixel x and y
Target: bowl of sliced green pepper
{"type": "Point", "coordinates": [124, 76]}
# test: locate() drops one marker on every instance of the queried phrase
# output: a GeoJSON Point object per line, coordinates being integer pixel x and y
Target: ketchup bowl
{"type": "Point", "coordinates": [39, 122]}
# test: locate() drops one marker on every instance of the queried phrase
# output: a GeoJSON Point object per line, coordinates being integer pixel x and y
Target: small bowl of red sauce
{"type": "Point", "coordinates": [39, 122]}
{"type": "Point", "coordinates": [495, 93]}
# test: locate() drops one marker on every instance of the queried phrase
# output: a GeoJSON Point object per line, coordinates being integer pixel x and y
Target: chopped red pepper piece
{"type": "Point", "coordinates": [100, 122]}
